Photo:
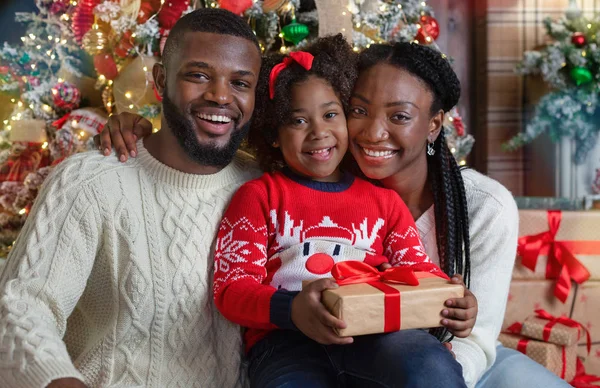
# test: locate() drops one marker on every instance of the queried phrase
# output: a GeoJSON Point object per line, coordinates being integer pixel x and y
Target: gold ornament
{"type": "Point", "coordinates": [273, 5]}
{"type": "Point", "coordinates": [108, 99]}
{"type": "Point", "coordinates": [133, 88]}
{"type": "Point", "coordinates": [95, 40]}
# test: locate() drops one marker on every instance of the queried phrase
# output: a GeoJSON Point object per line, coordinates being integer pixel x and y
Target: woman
{"type": "Point", "coordinates": [467, 221]}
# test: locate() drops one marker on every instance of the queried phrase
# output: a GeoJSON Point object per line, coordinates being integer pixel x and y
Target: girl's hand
{"type": "Point", "coordinates": [312, 318]}
{"type": "Point", "coordinates": [384, 266]}
{"type": "Point", "coordinates": [461, 314]}
{"type": "Point", "coordinates": [122, 132]}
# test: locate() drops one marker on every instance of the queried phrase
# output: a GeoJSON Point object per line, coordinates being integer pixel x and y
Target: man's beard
{"type": "Point", "coordinates": [208, 154]}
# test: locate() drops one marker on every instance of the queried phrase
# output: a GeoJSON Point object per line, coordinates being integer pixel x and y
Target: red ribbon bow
{"type": "Point", "coordinates": [562, 264]}
{"type": "Point", "coordinates": [354, 272]}
{"type": "Point", "coordinates": [543, 314]}
{"type": "Point", "coordinates": [583, 380]}
{"type": "Point", "coordinates": [303, 58]}
{"type": "Point", "coordinates": [516, 327]}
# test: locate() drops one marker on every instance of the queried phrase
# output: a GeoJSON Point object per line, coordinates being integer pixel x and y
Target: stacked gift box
{"type": "Point", "coordinates": [558, 271]}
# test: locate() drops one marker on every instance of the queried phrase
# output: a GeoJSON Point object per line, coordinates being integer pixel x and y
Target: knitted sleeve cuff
{"type": "Point", "coordinates": [281, 309]}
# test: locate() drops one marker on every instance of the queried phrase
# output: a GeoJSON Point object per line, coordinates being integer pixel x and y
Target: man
{"type": "Point", "coordinates": [109, 283]}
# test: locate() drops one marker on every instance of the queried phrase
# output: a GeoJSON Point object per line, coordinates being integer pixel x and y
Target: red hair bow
{"type": "Point", "coordinates": [302, 58]}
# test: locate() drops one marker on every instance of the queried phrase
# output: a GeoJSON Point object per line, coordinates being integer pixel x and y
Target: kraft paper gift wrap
{"type": "Point", "coordinates": [526, 296]}
{"type": "Point", "coordinates": [559, 334]}
{"type": "Point", "coordinates": [578, 229]}
{"type": "Point", "coordinates": [362, 306]}
{"type": "Point", "coordinates": [591, 361]}
{"type": "Point", "coordinates": [586, 309]}
{"type": "Point", "coordinates": [560, 360]}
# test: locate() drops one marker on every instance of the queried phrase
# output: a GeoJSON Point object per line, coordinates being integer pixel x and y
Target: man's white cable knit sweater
{"type": "Point", "coordinates": [110, 280]}
{"type": "Point", "coordinates": [493, 230]}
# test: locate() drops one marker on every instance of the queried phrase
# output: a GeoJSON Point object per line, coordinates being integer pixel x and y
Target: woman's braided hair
{"type": "Point", "coordinates": [444, 175]}
{"type": "Point", "coordinates": [334, 61]}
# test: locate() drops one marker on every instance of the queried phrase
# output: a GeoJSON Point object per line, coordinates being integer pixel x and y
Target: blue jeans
{"type": "Point", "coordinates": [513, 369]}
{"type": "Point", "coordinates": [409, 358]}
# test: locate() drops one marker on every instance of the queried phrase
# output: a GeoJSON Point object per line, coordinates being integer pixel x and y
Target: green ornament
{"type": "Point", "coordinates": [24, 59]}
{"type": "Point", "coordinates": [581, 75]}
{"type": "Point", "coordinates": [294, 32]}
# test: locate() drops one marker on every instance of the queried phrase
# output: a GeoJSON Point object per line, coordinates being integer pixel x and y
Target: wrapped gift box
{"type": "Point", "coordinates": [586, 309]}
{"type": "Point", "coordinates": [560, 360]}
{"type": "Point", "coordinates": [526, 296]}
{"type": "Point", "coordinates": [591, 361]}
{"type": "Point", "coordinates": [363, 307]}
{"type": "Point", "coordinates": [544, 330]}
{"type": "Point", "coordinates": [579, 232]}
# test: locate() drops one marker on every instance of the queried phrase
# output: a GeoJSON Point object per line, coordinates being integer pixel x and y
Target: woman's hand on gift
{"type": "Point", "coordinates": [312, 318]}
{"type": "Point", "coordinates": [461, 314]}
{"type": "Point", "coordinates": [122, 132]}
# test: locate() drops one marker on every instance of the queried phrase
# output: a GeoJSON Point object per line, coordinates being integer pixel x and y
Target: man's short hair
{"type": "Point", "coordinates": [213, 20]}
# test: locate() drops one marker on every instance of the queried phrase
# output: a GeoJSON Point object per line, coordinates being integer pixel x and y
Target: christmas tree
{"type": "Point", "coordinates": [82, 60]}
{"type": "Point", "coordinates": [569, 64]}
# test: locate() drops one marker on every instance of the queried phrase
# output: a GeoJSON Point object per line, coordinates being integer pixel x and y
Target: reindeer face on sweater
{"type": "Point", "coordinates": [308, 252]}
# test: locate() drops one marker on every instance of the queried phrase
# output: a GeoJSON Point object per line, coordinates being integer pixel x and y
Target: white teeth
{"type": "Point", "coordinates": [319, 151]}
{"type": "Point", "coordinates": [378, 154]}
{"type": "Point", "coordinates": [215, 118]}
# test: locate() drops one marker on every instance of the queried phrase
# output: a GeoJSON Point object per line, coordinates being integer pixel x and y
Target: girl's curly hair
{"type": "Point", "coordinates": [334, 61]}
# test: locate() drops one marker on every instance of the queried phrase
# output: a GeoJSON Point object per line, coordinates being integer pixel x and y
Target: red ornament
{"type": "Point", "coordinates": [458, 125]}
{"type": "Point", "coordinates": [58, 7]}
{"type": "Point", "coordinates": [429, 30]}
{"type": "Point", "coordinates": [171, 12]}
{"type": "Point", "coordinates": [83, 18]}
{"type": "Point", "coordinates": [237, 7]}
{"type": "Point", "coordinates": [146, 10]}
{"type": "Point", "coordinates": [578, 39]}
{"type": "Point", "coordinates": [124, 45]}
{"type": "Point", "coordinates": [66, 96]}
{"type": "Point", "coordinates": [105, 65]}
{"type": "Point", "coordinates": [4, 69]}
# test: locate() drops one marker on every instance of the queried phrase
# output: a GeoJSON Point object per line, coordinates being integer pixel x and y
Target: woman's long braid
{"type": "Point", "coordinates": [450, 203]}
{"type": "Point", "coordinates": [451, 215]}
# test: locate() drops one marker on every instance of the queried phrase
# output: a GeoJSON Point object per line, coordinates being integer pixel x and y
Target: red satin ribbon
{"type": "Point", "coordinates": [562, 263]}
{"type": "Point", "coordinates": [355, 272]}
{"type": "Point", "coordinates": [583, 380]}
{"type": "Point", "coordinates": [543, 314]}
{"type": "Point", "coordinates": [303, 58]}
{"type": "Point", "coordinates": [522, 347]}
{"type": "Point", "coordinates": [563, 372]}
{"type": "Point", "coordinates": [515, 328]}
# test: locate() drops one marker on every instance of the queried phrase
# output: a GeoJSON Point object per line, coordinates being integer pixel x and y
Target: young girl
{"type": "Point", "coordinates": [294, 223]}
